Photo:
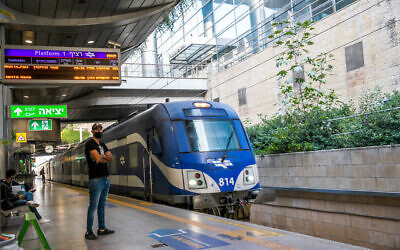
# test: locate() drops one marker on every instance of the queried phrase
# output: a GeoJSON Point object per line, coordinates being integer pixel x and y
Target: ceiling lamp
{"type": "Point", "coordinates": [90, 42]}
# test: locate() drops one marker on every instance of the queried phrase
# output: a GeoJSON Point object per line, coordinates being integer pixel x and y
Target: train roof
{"type": "Point", "coordinates": [175, 109]}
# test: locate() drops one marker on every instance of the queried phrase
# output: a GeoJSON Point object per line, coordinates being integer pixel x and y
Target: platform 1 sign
{"type": "Point", "coordinates": [60, 65]}
{"type": "Point", "coordinates": [38, 111]}
{"type": "Point", "coordinates": [39, 125]}
{"type": "Point", "coordinates": [186, 239]}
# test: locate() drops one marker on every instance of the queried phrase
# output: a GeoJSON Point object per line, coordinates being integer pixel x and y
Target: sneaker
{"type": "Point", "coordinates": [32, 204]}
{"type": "Point", "coordinates": [43, 220]}
{"type": "Point", "coordinates": [32, 190]}
{"type": "Point", "coordinates": [105, 231]}
{"type": "Point", "coordinates": [90, 236]}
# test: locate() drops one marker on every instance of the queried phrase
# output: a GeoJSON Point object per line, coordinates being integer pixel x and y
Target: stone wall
{"type": "Point", "coordinates": [375, 23]}
{"type": "Point", "coordinates": [368, 169]}
{"type": "Point", "coordinates": [347, 195]}
{"type": "Point", "coordinates": [368, 221]}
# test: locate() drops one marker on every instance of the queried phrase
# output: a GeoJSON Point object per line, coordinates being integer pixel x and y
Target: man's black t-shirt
{"type": "Point", "coordinates": [96, 170]}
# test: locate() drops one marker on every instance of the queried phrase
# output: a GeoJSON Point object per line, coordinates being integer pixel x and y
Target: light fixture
{"type": "Point", "coordinates": [28, 41]}
{"type": "Point", "coordinates": [25, 96]}
{"type": "Point", "coordinates": [202, 105]}
{"type": "Point", "coordinates": [90, 42]}
{"type": "Point", "coordinates": [64, 95]}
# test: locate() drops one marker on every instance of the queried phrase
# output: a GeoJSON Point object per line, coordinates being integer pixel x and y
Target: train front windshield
{"type": "Point", "coordinates": [211, 135]}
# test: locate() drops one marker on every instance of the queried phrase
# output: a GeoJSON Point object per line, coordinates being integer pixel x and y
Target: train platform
{"type": "Point", "coordinates": [144, 225]}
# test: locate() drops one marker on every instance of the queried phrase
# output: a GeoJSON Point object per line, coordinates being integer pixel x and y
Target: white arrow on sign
{"type": "Point", "coordinates": [35, 125]}
{"type": "Point", "coordinates": [18, 111]}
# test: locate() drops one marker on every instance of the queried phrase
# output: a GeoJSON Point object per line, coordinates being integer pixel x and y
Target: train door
{"type": "Point", "coordinates": [81, 171]}
{"type": "Point", "coordinates": [145, 170]}
{"type": "Point", "coordinates": [122, 164]}
{"type": "Point", "coordinates": [152, 147]}
{"type": "Point", "coordinates": [135, 173]}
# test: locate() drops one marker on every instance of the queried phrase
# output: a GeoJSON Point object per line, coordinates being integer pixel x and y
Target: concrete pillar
{"type": "Point", "coordinates": [256, 17]}
{"type": "Point", "coordinates": [149, 57]}
{"type": "Point", "coordinates": [208, 18]}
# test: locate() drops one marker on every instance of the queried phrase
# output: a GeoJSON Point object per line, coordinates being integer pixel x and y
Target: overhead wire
{"type": "Point", "coordinates": [269, 59]}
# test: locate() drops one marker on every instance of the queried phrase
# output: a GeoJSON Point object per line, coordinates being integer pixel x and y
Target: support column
{"type": "Point", "coordinates": [149, 57]}
{"type": "Point", "coordinates": [256, 6]}
{"type": "Point", "coordinates": [208, 18]}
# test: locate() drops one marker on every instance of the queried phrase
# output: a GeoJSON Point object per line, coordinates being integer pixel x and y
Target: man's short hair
{"type": "Point", "coordinates": [96, 125]}
{"type": "Point", "coordinates": [10, 172]}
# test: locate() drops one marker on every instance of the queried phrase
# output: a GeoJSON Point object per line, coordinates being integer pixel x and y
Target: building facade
{"type": "Point", "coordinates": [364, 39]}
{"type": "Point", "coordinates": [228, 41]}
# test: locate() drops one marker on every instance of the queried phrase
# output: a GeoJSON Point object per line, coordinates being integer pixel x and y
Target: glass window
{"type": "Point", "coordinates": [211, 135]}
{"type": "Point", "coordinates": [133, 156]}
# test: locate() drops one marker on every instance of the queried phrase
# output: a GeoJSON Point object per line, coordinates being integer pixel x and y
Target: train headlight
{"type": "Point", "coordinates": [248, 176]}
{"type": "Point", "coordinates": [196, 180]}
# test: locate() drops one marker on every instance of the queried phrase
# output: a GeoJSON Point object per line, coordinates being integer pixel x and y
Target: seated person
{"type": "Point", "coordinates": [17, 200]}
{"type": "Point", "coordinates": [27, 190]}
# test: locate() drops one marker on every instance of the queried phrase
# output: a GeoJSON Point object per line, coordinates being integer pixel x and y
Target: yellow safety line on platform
{"type": "Point", "coordinates": [258, 231]}
{"type": "Point", "coordinates": [260, 242]}
{"type": "Point", "coordinates": [146, 203]}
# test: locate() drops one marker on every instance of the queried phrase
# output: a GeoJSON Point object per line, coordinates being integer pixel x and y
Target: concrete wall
{"type": "Point", "coordinates": [3, 160]}
{"type": "Point", "coordinates": [339, 194]}
{"type": "Point", "coordinates": [374, 22]}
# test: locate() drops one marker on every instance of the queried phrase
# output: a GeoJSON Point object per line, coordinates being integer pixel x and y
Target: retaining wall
{"type": "Point", "coordinates": [347, 195]}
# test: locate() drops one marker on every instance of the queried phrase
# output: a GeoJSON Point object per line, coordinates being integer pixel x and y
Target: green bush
{"type": "Point", "coordinates": [338, 127]}
{"type": "Point", "coordinates": [68, 135]}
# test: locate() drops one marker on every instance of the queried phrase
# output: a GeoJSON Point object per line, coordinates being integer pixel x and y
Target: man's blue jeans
{"type": "Point", "coordinates": [98, 190]}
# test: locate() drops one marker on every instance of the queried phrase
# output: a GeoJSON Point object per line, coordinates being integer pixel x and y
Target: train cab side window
{"type": "Point", "coordinates": [133, 155]}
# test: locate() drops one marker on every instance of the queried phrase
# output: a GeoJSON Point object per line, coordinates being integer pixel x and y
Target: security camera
{"type": "Point", "coordinates": [113, 44]}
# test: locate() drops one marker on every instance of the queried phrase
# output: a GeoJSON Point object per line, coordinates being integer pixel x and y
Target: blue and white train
{"type": "Point", "coordinates": [195, 153]}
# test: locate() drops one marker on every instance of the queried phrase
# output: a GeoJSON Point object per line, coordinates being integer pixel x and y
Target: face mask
{"type": "Point", "coordinates": [98, 134]}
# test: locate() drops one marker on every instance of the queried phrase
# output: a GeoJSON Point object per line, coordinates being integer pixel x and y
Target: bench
{"type": "Point", "coordinates": [13, 217]}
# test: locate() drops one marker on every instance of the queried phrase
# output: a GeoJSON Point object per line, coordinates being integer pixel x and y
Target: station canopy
{"type": "Point", "coordinates": [121, 24]}
{"type": "Point", "coordinates": [83, 23]}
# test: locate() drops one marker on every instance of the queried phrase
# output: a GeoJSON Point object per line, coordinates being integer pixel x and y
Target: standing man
{"type": "Point", "coordinates": [43, 175]}
{"type": "Point", "coordinates": [97, 157]}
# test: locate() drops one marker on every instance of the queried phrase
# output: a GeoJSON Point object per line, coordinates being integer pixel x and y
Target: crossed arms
{"type": "Point", "coordinates": [98, 158]}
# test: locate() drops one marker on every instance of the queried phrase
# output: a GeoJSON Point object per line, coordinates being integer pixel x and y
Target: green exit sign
{"type": "Point", "coordinates": [39, 125]}
{"type": "Point", "coordinates": [38, 111]}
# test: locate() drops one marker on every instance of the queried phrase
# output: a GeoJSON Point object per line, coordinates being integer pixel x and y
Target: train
{"type": "Point", "coordinates": [187, 153]}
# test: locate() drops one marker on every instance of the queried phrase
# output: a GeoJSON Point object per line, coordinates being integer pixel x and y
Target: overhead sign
{"type": "Point", "coordinates": [39, 125]}
{"type": "Point", "coordinates": [20, 137]}
{"type": "Point", "coordinates": [23, 64]}
{"type": "Point", "coordinates": [38, 111]}
{"type": "Point", "coordinates": [186, 239]}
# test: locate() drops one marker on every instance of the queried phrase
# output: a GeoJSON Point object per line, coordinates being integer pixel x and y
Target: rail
{"type": "Point", "coordinates": [165, 70]}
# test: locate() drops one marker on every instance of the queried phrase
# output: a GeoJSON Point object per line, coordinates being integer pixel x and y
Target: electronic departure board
{"type": "Point", "coordinates": [57, 65]}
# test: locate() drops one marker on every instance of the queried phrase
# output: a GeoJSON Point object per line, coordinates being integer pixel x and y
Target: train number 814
{"type": "Point", "coordinates": [225, 181]}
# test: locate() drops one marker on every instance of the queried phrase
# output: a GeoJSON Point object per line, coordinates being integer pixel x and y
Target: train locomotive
{"type": "Point", "coordinates": [191, 153]}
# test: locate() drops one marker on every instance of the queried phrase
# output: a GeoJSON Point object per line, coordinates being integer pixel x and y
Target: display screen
{"type": "Point", "coordinates": [61, 66]}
